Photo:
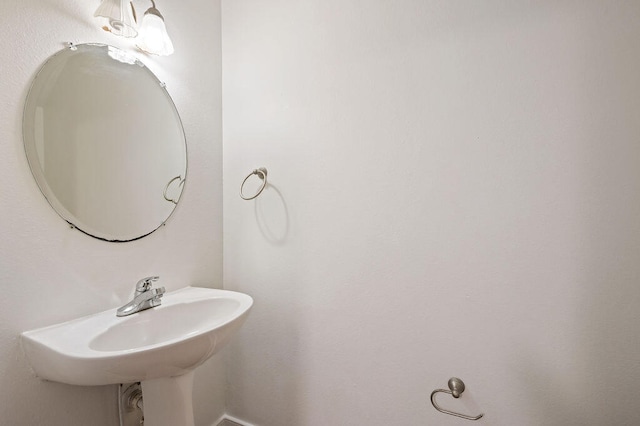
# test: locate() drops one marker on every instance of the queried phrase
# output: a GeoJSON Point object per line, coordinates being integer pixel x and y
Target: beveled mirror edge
{"type": "Point", "coordinates": [37, 172]}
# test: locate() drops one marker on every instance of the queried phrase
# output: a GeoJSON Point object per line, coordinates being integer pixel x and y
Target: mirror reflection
{"type": "Point", "coordinates": [104, 142]}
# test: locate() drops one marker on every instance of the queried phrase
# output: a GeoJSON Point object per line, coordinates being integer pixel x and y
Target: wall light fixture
{"type": "Point", "coordinates": [119, 17]}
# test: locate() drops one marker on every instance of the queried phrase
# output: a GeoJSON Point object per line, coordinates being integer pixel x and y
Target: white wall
{"type": "Point", "coordinates": [456, 192]}
{"type": "Point", "coordinates": [49, 273]}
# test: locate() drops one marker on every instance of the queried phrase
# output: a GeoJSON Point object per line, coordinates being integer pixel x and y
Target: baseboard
{"type": "Point", "coordinates": [227, 420]}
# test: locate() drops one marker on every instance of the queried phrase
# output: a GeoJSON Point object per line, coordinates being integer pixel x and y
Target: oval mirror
{"type": "Point", "coordinates": [104, 142]}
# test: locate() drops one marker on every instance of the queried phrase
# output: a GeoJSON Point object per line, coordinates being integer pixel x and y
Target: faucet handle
{"type": "Point", "coordinates": [146, 283]}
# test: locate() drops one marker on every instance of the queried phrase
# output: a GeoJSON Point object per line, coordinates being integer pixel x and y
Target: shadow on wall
{"type": "Point", "coordinates": [602, 338]}
{"type": "Point", "coordinates": [272, 215]}
{"type": "Point", "coordinates": [593, 388]}
{"type": "Point", "coordinates": [272, 378]}
{"type": "Point", "coordinates": [278, 368]}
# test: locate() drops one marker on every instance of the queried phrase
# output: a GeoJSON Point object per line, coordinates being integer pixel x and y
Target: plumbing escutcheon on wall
{"type": "Point", "coordinates": [130, 404]}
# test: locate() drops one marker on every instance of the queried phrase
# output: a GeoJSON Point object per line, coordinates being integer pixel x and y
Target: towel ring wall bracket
{"type": "Point", "coordinates": [456, 387]}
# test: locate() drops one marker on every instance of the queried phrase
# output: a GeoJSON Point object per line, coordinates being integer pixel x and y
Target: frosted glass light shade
{"type": "Point", "coordinates": [117, 17]}
{"type": "Point", "coordinates": [153, 37]}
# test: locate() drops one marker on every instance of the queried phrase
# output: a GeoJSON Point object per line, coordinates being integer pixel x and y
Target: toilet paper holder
{"type": "Point", "coordinates": [456, 387]}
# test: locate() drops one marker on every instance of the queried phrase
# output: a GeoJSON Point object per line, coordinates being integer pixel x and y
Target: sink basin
{"type": "Point", "coordinates": [159, 347]}
{"type": "Point", "coordinates": [167, 324]}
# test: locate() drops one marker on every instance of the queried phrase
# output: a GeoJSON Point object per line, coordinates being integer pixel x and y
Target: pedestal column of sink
{"type": "Point", "coordinates": [168, 401]}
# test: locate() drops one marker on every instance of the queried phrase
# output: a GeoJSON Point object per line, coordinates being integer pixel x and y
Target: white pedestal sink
{"type": "Point", "coordinates": [159, 347]}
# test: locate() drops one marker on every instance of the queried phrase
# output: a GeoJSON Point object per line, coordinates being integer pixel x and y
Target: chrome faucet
{"type": "Point", "coordinates": [144, 298]}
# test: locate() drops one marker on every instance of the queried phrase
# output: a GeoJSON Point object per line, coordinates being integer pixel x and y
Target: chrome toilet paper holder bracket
{"type": "Point", "coordinates": [456, 387]}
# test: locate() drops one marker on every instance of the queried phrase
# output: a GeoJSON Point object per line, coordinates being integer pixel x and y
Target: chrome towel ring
{"type": "Point", "coordinates": [262, 174]}
{"type": "Point", "coordinates": [456, 387]}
